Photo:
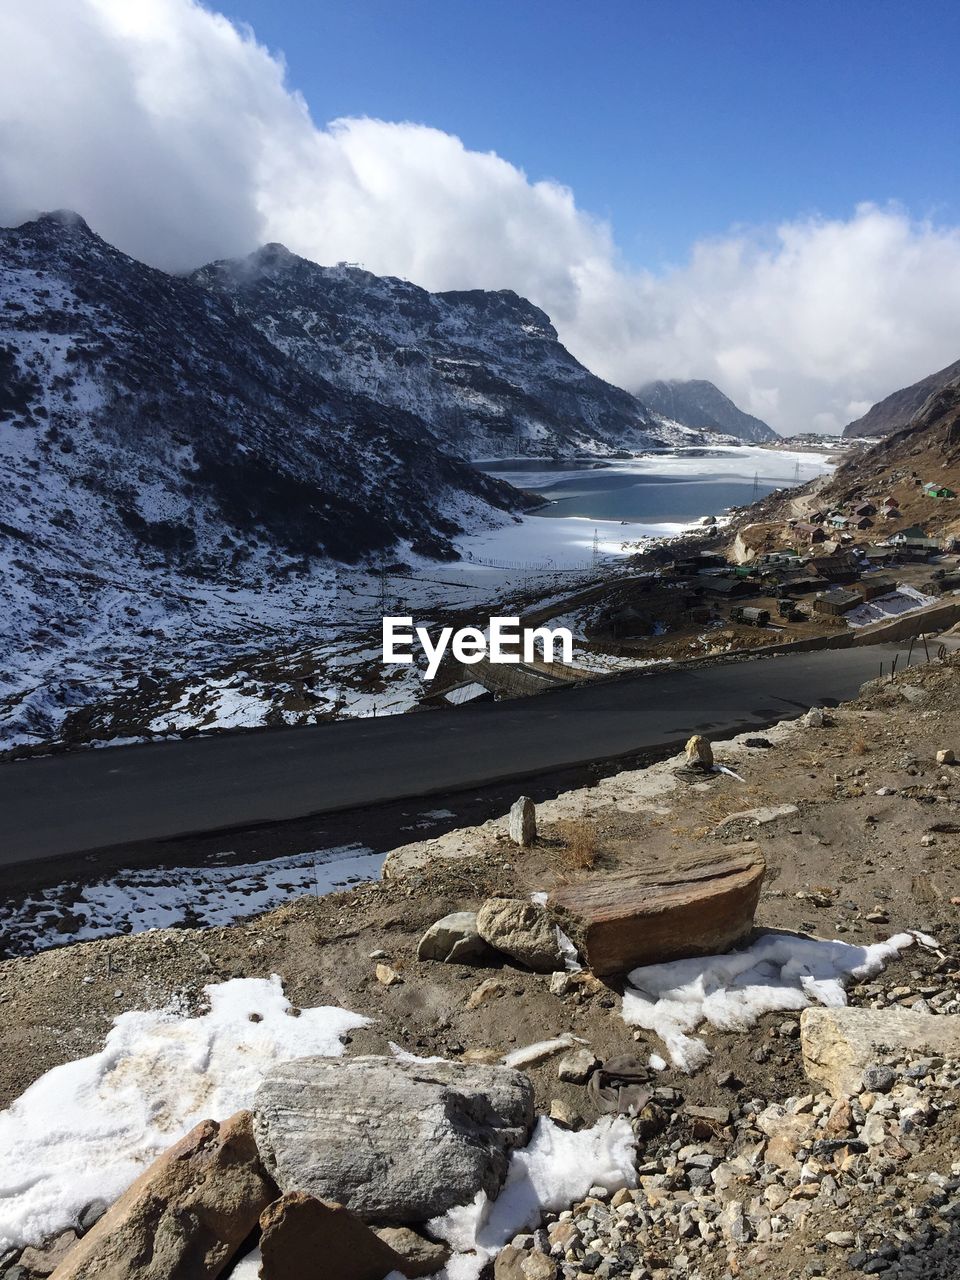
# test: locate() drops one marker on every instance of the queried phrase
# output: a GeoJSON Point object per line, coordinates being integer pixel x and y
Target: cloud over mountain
{"type": "Point", "coordinates": [175, 134]}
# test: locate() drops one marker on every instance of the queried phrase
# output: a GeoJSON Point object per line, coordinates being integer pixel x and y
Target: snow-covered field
{"type": "Point", "coordinates": [135, 900]}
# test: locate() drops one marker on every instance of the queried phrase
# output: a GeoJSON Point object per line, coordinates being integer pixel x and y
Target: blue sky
{"type": "Point", "coordinates": [672, 120]}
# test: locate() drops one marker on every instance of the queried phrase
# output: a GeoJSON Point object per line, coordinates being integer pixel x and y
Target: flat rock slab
{"type": "Point", "coordinates": [695, 904]}
{"type": "Point", "coordinates": [839, 1044]}
{"type": "Point", "coordinates": [185, 1216]}
{"type": "Point", "coordinates": [396, 1142]}
{"type": "Point", "coordinates": [304, 1239]}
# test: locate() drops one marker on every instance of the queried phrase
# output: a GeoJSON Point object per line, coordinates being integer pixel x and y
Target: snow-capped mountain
{"type": "Point", "coordinates": [701, 405]}
{"type": "Point", "coordinates": [485, 370]}
{"type": "Point", "coordinates": [163, 467]}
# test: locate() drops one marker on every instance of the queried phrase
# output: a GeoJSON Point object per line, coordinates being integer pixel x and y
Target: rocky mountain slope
{"type": "Point", "coordinates": [704, 407]}
{"type": "Point", "coordinates": [895, 411]}
{"type": "Point", "coordinates": [927, 449]}
{"type": "Point", "coordinates": [485, 370]}
{"type": "Point", "coordinates": [160, 461]}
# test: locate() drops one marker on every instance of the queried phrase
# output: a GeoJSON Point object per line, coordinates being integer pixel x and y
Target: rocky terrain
{"type": "Point", "coordinates": [895, 411]}
{"type": "Point", "coordinates": [159, 456]}
{"type": "Point", "coordinates": [800, 1146]}
{"type": "Point", "coordinates": [701, 405]}
{"type": "Point", "coordinates": [927, 449]}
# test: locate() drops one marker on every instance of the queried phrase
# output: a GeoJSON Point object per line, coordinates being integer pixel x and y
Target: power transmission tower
{"type": "Point", "coordinates": [382, 574]}
{"type": "Point", "coordinates": [796, 472]}
{"type": "Point", "coordinates": [596, 548]}
{"type": "Point", "coordinates": [756, 485]}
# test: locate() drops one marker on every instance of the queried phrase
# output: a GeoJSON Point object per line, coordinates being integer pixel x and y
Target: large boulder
{"type": "Point", "coordinates": [523, 931]}
{"type": "Point", "coordinates": [396, 1142]}
{"type": "Point", "coordinates": [455, 940]}
{"type": "Point", "coordinates": [840, 1044]}
{"type": "Point", "coordinates": [305, 1239]}
{"type": "Point", "coordinates": [185, 1216]}
{"type": "Point", "coordinates": [691, 905]}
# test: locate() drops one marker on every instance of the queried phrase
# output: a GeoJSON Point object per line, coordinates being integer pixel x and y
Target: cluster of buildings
{"type": "Point", "coordinates": [824, 562]}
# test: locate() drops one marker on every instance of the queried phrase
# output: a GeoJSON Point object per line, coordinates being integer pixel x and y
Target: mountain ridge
{"type": "Point", "coordinates": [701, 405]}
{"type": "Point", "coordinates": [485, 369]}
{"type": "Point", "coordinates": [894, 412]}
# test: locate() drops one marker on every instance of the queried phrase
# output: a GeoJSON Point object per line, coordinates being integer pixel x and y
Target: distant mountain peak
{"type": "Point", "coordinates": [700, 404]}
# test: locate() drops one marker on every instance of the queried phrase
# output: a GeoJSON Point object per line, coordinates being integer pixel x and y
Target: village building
{"type": "Point", "coordinates": [809, 533]}
{"type": "Point", "coordinates": [836, 601]}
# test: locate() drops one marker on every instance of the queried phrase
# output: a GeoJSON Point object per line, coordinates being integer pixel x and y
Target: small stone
{"type": "Point", "coordinates": [421, 1257]}
{"type": "Point", "coordinates": [946, 756]}
{"type": "Point", "coordinates": [699, 752]}
{"type": "Point", "coordinates": [455, 940]}
{"type": "Point", "coordinates": [387, 976]}
{"type": "Point", "coordinates": [489, 989]}
{"type": "Point", "coordinates": [879, 1079]}
{"type": "Point", "coordinates": [577, 1067]}
{"type": "Point", "coordinates": [523, 821]}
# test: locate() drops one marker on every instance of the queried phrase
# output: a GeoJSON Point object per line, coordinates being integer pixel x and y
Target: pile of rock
{"type": "Point", "coordinates": [339, 1160]}
{"type": "Point", "coordinates": [842, 1172]}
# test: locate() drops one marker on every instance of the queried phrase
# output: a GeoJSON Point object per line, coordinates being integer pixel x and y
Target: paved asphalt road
{"type": "Point", "coordinates": [67, 804]}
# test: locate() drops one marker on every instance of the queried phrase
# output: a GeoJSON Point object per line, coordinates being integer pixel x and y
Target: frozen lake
{"type": "Point", "coordinates": [625, 500]}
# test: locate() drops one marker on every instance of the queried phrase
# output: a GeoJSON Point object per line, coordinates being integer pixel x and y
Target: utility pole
{"type": "Point", "coordinates": [596, 548]}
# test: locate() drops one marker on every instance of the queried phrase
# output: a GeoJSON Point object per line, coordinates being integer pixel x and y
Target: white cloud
{"type": "Point", "coordinates": [175, 135]}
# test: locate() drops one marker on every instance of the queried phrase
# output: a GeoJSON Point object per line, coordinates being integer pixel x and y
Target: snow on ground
{"type": "Point", "coordinates": [904, 600]}
{"type": "Point", "coordinates": [560, 542]}
{"type": "Point", "coordinates": [778, 972]}
{"type": "Point", "coordinates": [556, 1169]}
{"type": "Point", "coordinates": [133, 900]}
{"type": "Point", "coordinates": [86, 1129]}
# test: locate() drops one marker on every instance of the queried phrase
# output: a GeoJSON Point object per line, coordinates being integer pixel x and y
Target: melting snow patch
{"type": "Point", "coordinates": [730, 992]}
{"type": "Point", "coordinates": [555, 1170]}
{"type": "Point", "coordinates": [161, 898]}
{"type": "Point", "coordinates": [86, 1129]}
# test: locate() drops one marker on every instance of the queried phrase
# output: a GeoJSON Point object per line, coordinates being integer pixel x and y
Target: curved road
{"type": "Point", "coordinates": [61, 805]}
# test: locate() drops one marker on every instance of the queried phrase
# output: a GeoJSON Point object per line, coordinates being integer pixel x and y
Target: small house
{"type": "Point", "coordinates": [808, 532]}
{"type": "Point", "coordinates": [863, 522]}
{"type": "Point", "coordinates": [909, 536]}
{"type": "Point", "coordinates": [865, 509]}
{"type": "Point", "coordinates": [872, 588]}
{"type": "Point", "coordinates": [836, 602]}
{"type": "Point", "coordinates": [938, 491]}
{"type": "Point", "coordinates": [838, 520]}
